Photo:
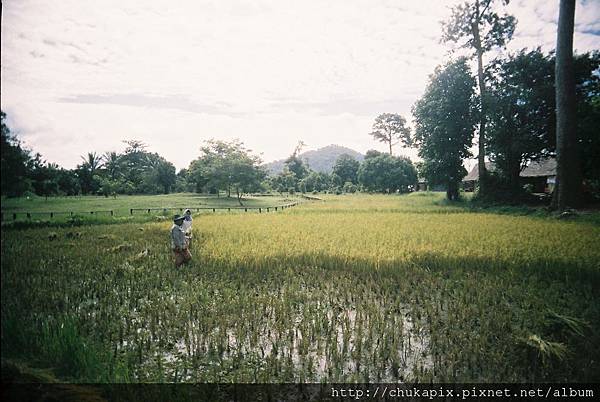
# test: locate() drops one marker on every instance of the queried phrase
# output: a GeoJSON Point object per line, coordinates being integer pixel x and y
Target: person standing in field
{"type": "Point", "coordinates": [187, 226]}
{"type": "Point", "coordinates": [179, 242]}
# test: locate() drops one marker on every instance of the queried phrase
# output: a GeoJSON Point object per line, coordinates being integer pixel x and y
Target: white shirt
{"type": "Point", "coordinates": [187, 225]}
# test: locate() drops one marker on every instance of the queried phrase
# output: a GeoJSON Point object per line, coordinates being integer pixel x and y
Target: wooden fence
{"type": "Point", "coordinates": [52, 214]}
{"type": "Point", "coordinates": [215, 209]}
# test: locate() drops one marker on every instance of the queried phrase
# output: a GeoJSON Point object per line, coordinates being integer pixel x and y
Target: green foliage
{"type": "Point", "coordinates": [297, 167]}
{"type": "Point", "coordinates": [346, 168]}
{"type": "Point", "coordinates": [385, 173]}
{"type": "Point", "coordinates": [284, 181]}
{"type": "Point", "coordinates": [478, 24]}
{"type": "Point", "coordinates": [14, 162]}
{"type": "Point", "coordinates": [501, 190]}
{"type": "Point", "coordinates": [350, 187]}
{"type": "Point", "coordinates": [587, 67]}
{"type": "Point", "coordinates": [391, 129]}
{"type": "Point", "coordinates": [226, 166]}
{"type": "Point", "coordinates": [316, 181]}
{"type": "Point", "coordinates": [444, 124]}
{"type": "Point", "coordinates": [522, 119]}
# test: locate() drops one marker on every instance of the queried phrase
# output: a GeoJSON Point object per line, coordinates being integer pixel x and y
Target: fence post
{"type": "Point", "coordinates": [267, 209]}
{"type": "Point", "coordinates": [245, 209]}
{"type": "Point", "coordinates": [275, 209]}
{"type": "Point", "coordinates": [259, 210]}
{"type": "Point", "coordinates": [71, 213]}
{"type": "Point", "coordinates": [148, 210]}
{"type": "Point", "coordinates": [14, 217]}
{"type": "Point", "coordinates": [51, 215]}
{"type": "Point", "coordinates": [111, 212]}
{"type": "Point", "coordinates": [214, 210]}
{"type": "Point", "coordinates": [130, 211]}
{"type": "Point", "coordinates": [28, 215]}
{"type": "Point", "coordinates": [228, 209]}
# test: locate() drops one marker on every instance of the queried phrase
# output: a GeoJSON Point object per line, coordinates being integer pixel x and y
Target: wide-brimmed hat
{"type": "Point", "coordinates": [178, 218]}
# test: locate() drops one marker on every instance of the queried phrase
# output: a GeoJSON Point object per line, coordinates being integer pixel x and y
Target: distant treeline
{"type": "Point", "coordinates": [520, 128]}
{"type": "Point", "coordinates": [221, 166]}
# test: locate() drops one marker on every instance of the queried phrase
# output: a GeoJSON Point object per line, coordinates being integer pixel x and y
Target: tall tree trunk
{"type": "Point", "coordinates": [568, 169]}
{"type": "Point", "coordinates": [481, 155]}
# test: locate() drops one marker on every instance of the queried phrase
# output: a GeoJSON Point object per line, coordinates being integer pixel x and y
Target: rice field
{"type": "Point", "coordinates": [360, 288]}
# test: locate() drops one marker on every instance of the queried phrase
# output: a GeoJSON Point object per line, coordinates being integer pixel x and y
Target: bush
{"type": "Point", "coordinates": [76, 220]}
{"type": "Point", "coordinates": [501, 191]}
{"type": "Point", "coordinates": [349, 187]}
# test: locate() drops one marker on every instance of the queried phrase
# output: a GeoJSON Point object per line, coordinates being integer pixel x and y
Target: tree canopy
{"type": "Point", "coordinates": [387, 174]}
{"type": "Point", "coordinates": [390, 128]}
{"type": "Point", "coordinates": [444, 119]}
{"type": "Point", "coordinates": [226, 166]}
{"type": "Point", "coordinates": [479, 27]}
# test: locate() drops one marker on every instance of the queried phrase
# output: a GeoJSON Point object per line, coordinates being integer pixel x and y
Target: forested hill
{"type": "Point", "coordinates": [320, 160]}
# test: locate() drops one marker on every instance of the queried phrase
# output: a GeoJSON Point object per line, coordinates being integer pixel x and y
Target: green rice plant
{"type": "Point", "coordinates": [368, 287]}
{"type": "Point", "coordinates": [546, 349]}
{"type": "Point", "coordinates": [574, 325]}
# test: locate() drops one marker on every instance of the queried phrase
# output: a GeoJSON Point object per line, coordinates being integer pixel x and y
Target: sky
{"type": "Point", "coordinates": [83, 75]}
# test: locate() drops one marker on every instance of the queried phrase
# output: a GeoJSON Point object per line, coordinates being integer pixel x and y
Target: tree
{"type": "Point", "coordinates": [247, 174]}
{"type": "Point", "coordinates": [568, 167]}
{"type": "Point", "coordinates": [483, 29]}
{"type": "Point", "coordinates": [68, 182]}
{"type": "Point", "coordinates": [135, 163]}
{"type": "Point", "coordinates": [196, 175]}
{"type": "Point", "coordinates": [387, 173]}
{"type": "Point", "coordinates": [391, 129]}
{"type": "Point", "coordinates": [444, 123]}
{"type": "Point", "coordinates": [182, 183]}
{"type": "Point", "coordinates": [108, 186]}
{"type": "Point", "coordinates": [44, 177]}
{"type": "Point", "coordinates": [284, 181]}
{"type": "Point", "coordinates": [371, 153]}
{"type": "Point", "coordinates": [112, 163]}
{"type": "Point", "coordinates": [521, 115]}
{"type": "Point", "coordinates": [225, 165]}
{"type": "Point", "coordinates": [346, 167]}
{"type": "Point", "coordinates": [160, 173]}
{"type": "Point", "coordinates": [316, 181]}
{"type": "Point", "coordinates": [87, 172]}
{"type": "Point", "coordinates": [588, 116]}
{"type": "Point", "coordinates": [14, 169]}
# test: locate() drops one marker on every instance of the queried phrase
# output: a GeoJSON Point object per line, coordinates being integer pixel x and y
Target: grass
{"type": "Point", "coordinates": [75, 210]}
{"type": "Point", "coordinates": [355, 288]}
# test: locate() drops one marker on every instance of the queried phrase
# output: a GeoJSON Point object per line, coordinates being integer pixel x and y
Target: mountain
{"type": "Point", "coordinates": [320, 160]}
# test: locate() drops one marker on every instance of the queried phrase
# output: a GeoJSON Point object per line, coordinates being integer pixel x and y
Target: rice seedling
{"type": "Point", "coordinates": [357, 288]}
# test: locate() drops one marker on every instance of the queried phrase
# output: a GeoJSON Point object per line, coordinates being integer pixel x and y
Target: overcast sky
{"type": "Point", "coordinates": [82, 75]}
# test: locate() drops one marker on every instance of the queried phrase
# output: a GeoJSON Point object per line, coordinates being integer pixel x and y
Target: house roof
{"type": "Point", "coordinates": [541, 168]}
{"type": "Point", "coordinates": [474, 173]}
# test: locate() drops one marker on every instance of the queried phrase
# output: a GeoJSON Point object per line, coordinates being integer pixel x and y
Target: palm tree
{"type": "Point", "coordinates": [87, 170]}
{"type": "Point", "coordinates": [91, 162]}
{"type": "Point", "coordinates": [112, 164]}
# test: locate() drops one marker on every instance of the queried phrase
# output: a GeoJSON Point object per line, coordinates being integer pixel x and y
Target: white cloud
{"type": "Point", "coordinates": [81, 75]}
